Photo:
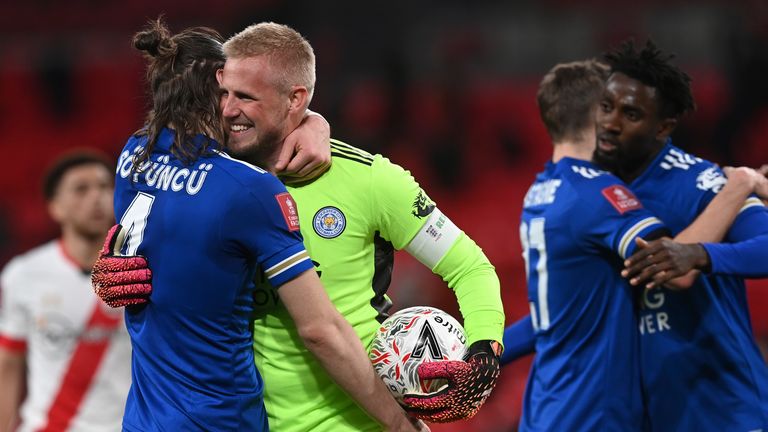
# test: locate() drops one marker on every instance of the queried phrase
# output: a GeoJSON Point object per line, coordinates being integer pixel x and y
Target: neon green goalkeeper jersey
{"type": "Point", "coordinates": [353, 218]}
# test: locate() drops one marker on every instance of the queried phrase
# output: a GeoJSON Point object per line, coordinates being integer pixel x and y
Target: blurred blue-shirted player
{"type": "Point", "coordinates": [701, 367]}
{"type": "Point", "coordinates": [577, 223]}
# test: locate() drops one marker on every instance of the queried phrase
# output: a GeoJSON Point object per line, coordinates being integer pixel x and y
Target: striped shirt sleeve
{"type": "Point", "coordinates": [639, 229]}
{"type": "Point", "coordinates": [287, 265]}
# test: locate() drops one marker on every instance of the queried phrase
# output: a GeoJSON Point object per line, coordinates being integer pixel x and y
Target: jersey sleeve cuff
{"type": "Point", "coordinates": [752, 201]}
{"type": "Point", "coordinates": [14, 345]}
{"type": "Point", "coordinates": [286, 265]}
{"type": "Point", "coordinates": [642, 228]}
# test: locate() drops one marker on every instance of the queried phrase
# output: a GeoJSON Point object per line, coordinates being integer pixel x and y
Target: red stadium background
{"type": "Point", "coordinates": [444, 88]}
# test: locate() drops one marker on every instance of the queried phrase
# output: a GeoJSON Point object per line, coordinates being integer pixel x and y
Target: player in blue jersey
{"type": "Point", "coordinates": [577, 223]}
{"type": "Point", "coordinates": [207, 222]}
{"type": "Point", "coordinates": [701, 367]}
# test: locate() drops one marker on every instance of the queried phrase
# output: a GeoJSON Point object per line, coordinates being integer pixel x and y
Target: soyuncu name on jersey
{"type": "Point", "coordinates": [162, 176]}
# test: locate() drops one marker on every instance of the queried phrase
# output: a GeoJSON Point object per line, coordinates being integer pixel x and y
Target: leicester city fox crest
{"type": "Point", "coordinates": [422, 205]}
{"type": "Point", "coordinates": [329, 222]}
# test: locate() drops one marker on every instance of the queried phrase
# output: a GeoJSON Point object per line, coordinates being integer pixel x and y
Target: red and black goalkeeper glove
{"type": "Point", "coordinates": [120, 280]}
{"type": "Point", "coordinates": [469, 384]}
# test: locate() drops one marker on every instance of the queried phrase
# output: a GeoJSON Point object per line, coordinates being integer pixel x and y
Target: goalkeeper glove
{"type": "Point", "coordinates": [120, 280]}
{"type": "Point", "coordinates": [469, 384]}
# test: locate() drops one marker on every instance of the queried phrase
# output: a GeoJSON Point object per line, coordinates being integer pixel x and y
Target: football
{"type": "Point", "coordinates": [410, 337]}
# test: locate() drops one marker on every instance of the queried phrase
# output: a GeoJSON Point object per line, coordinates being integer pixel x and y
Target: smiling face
{"type": "Point", "coordinates": [630, 129]}
{"type": "Point", "coordinates": [254, 108]}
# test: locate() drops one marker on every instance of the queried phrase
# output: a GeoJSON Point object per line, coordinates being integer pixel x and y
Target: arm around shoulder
{"type": "Point", "coordinates": [306, 152]}
{"type": "Point", "coordinates": [713, 223]}
{"type": "Point", "coordinates": [678, 263]}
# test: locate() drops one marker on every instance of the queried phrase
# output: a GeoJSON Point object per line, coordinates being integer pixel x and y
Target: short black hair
{"type": "Point", "coordinates": [70, 160]}
{"type": "Point", "coordinates": [651, 67]}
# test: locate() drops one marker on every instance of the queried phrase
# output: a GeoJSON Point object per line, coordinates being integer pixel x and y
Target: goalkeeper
{"type": "Point", "coordinates": [353, 217]}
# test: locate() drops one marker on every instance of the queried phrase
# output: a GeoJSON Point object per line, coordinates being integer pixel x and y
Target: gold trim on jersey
{"type": "Point", "coordinates": [286, 264]}
{"type": "Point", "coordinates": [632, 232]}
{"type": "Point", "coordinates": [751, 202]}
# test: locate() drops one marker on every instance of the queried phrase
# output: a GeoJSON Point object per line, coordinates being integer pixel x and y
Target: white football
{"type": "Point", "coordinates": [409, 338]}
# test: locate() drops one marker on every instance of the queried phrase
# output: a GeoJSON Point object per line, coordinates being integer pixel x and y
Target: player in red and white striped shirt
{"type": "Point", "coordinates": [75, 349]}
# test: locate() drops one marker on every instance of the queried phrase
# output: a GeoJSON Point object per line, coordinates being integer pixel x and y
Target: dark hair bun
{"type": "Point", "coordinates": [153, 39]}
{"type": "Point", "coordinates": [147, 41]}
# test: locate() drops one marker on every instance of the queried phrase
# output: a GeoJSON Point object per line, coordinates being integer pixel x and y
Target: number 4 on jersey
{"type": "Point", "coordinates": [134, 221]}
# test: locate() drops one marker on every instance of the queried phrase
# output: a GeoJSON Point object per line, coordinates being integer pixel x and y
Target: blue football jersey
{"type": "Point", "coordinates": [578, 224]}
{"type": "Point", "coordinates": [701, 368]}
{"type": "Point", "coordinates": [204, 229]}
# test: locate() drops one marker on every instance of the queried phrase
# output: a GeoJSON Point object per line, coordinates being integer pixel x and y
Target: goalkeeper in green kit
{"type": "Point", "coordinates": [353, 216]}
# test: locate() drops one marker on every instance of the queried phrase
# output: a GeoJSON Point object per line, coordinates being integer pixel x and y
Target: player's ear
{"type": "Point", "coordinates": [666, 127]}
{"type": "Point", "coordinates": [299, 99]}
{"type": "Point", "coordinates": [55, 211]}
{"type": "Point", "coordinates": [219, 75]}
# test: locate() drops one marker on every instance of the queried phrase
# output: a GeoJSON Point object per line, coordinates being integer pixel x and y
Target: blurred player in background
{"type": "Point", "coordinates": [702, 369]}
{"type": "Point", "coordinates": [577, 222]}
{"type": "Point", "coordinates": [75, 351]}
{"type": "Point", "coordinates": [354, 216]}
{"type": "Point", "coordinates": [208, 221]}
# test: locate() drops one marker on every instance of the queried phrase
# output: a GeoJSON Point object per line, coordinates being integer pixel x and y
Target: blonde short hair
{"type": "Point", "coordinates": [289, 52]}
